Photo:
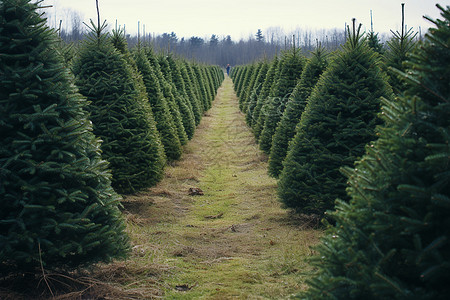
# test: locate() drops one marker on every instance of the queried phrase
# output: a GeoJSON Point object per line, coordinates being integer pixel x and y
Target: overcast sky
{"type": "Point", "coordinates": [241, 18]}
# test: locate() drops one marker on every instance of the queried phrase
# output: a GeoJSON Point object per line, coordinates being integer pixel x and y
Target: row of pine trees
{"type": "Point", "coordinates": [361, 136]}
{"type": "Point", "coordinates": [78, 127]}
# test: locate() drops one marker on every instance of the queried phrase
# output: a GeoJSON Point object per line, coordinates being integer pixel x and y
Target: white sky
{"type": "Point", "coordinates": [242, 18]}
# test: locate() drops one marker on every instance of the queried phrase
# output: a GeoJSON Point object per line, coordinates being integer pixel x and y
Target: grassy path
{"type": "Point", "coordinates": [233, 242]}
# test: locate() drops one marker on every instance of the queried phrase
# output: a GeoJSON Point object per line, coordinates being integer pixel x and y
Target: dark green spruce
{"type": "Point", "coordinates": [338, 121]}
{"type": "Point", "coordinates": [173, 79]}
{"type": "Point", "coordinates": [120, 112]}
{"type": "Point", "coordinates": [260, 112]}
{"type": "Point", "coordinates": [161, 112]}
{"type": "Point", "coordinates": [295, 106]}
{"type": "Point", "coordinates": [166, 89]}
{"type": "Point", "coordinates": [253, 94]}
{"type": "Point", "coordinates": [57, 205]}
{"type": "Point", "coordinates": [392, 241]}
{"type": "Point", "coordinates": [398, 47]}
{"type": "Point", "coordinates": [292, 63]}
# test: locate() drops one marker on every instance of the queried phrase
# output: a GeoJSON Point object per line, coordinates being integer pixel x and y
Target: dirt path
{"type": "Point", "coordinates": [233, 242]}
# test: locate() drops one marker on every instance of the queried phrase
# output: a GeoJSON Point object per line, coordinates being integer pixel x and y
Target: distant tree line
{"type": "Point", "coordinates": [221, 50]}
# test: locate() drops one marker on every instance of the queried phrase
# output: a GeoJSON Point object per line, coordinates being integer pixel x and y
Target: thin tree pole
{"type": "Point", "coordinates": [371, 23]}
{"type": "Point", "coordinates": [59, 29]}
{"type": "Point", "coordinates": [345, 31]}
{"type": "Point", "coordinates": [139, 34]}
{"type": "Point", "coordinates": [98, 14]}
{"type": "Point", "coordinates": [403, 18]}
{"type": "Point", "coordinates": [293, 42]}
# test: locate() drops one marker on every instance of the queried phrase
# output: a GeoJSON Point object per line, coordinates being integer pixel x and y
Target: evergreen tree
{"type": "Point", "coordinates": [373, 40]}
{"type": "Point", "coordinates": [195, 85]}
{"type": "Point", "coordinates": [249, 69]}
{"type": "Point", "coordinates": [120, 112]}
{"type": "Point", "coordinates": [392, 240]}
{"type": "Point", "coordinates": [259, 113]}
{"type": "Point", "coordinates": [253, 98]}
{"type": "Point", "coordinates": [294, 109]}
{"type": "Point", "coordinates": [198, 75]}
{"type": "Point", "coordinates": [339, 119]}
{"type": "Point", "coordinates": [289, 74]}
{"type": "Point", "coordinates": [237, 77]}
{"type": "Point", "coordinates": [190, 93]}
{"type": "Point", "coordinates": [68, 52]}
{"type": "Point", "coordinates": [206, 84]}
{"type": "Point", "coordinates": [209, 86]}
{"type": "Point", "coordinates": [166, 89]}
{"type": "Point", "coordinates": [119, 41]}
{"type": "Point", "coordinates": [187, 117]}
{"type": "Point", "coordinates": [399, 46]}
{"type": "Point", "coordinates": [161, 112]}
{"type": "Point", "coordinates": [259, 36]}
{"type": "Point", "coordinates": [57, 205]}
{"type": "Point", "coordinates": [248, 85]}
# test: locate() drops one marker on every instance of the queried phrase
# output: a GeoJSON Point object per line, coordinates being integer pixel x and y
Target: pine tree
{"type": "Point", "coordinates": [292, 64]}
{"type": "Point", "coordinates": [195, 85]}
{"type": "Point", "coordinates": [161, 112]}
{"type": "Point", "coordinates": [187, 117]}
{"type": "Point", "coordinates": [57, 205]}
{"type": "Point", "coordinates": [204, 97]}
{"type": "Point", "coordinates": [180, 85]}
{"type": "Point", "coordinates": [338, 121]}
{"type": "Point", "coordinates": [120, 112]}
{"type": "Point", "coordinates": [259, 113]}
{"type": "Point", "coordinates": [259, 36]}
{"type": "Point", "coordinates": [249, 70]}
{"type": "Point", "coordinates": [392, 240]}
{"type": "Point", "coordinates": [190, 93]}
{"type": "Point", "coordinates": [373, 40]}
{"type": "Point", "coordinates": [253, 98]}
{"type": "Point", "coordinates": [243, 104]}
{"type": "Point", "coordinates": [294, 109]}
{"type": "Point", "coordinates": [166, 89]}
{"type": "Point", "coordinates": [209, 88]}
{"type": "Point", "coordinates": [399, 46]}
{"type": "Point", "coordinates": [237, 76]}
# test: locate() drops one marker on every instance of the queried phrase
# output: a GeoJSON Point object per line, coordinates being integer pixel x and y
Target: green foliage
{"type": "Point", "coordinates": [120, 112]}
{"type": "Point", "coordinates": [338, 121]}
{"type": "Point", "coordinates": [173, 79]}
{"type": "Point", "coordinates": [190, 91]}
{"type": "Point", "coordinates": [291, 63]}
{"type": "Point", "coordinates": [259, 112]}
{"type": "Point", "coordinates": [196, 87]}
{"type": "Point", "coordinates": [57, 204]}
{"type": "Point", "coordinates": [399, 46]}
{"type": "Point", "coordinates": [295, 106]}
{"type": "Point", "coordinates": [200, 77]}
{"type": "Point", "coordinates": [259, 36]}
{"type": "Point", "coordinates": [236, 75]}
{"type": "Point", "coordinates": [161, 112]}
{"type": "Point", "coordinates": [166, 89]}
{"type": "Point", "coordinates": [209, 89]}
{"type": "Point", "coordinates": [374, 42]}
{"type": "Point", "coordinates": [254, 92]}
{"type": "Point", "coordinates": [249, 70]}
{"type": "Point", "coordinates": [392, 240]}
{"type": "Point", "coordinates": [243, 103]}
{"type": "Point", "coordinates": [119, 41]}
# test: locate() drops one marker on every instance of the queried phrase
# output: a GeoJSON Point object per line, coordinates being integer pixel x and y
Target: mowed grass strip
{"type": "Point", "coordinates": [233, 242]}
